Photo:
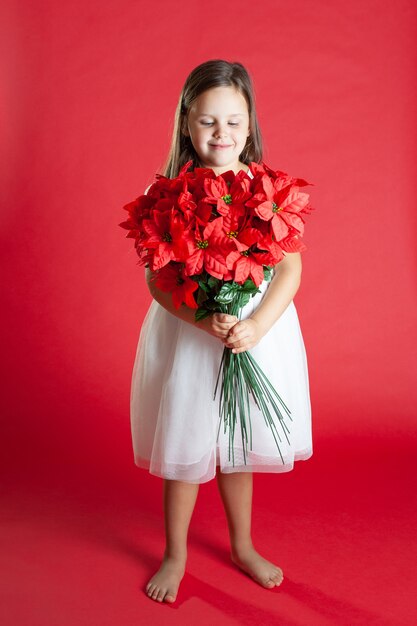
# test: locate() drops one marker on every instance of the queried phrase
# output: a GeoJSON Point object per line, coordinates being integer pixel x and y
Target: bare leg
{"type": "Point", "coordinates": [236, 491]}
{"type": "Point", "coordinates": [179, 501]}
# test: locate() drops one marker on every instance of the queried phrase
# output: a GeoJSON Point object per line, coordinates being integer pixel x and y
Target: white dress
{"type": "Point", "coordinates": [174, 418]}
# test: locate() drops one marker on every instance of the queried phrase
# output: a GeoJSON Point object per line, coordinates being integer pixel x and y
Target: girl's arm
{"type": "Point", "coordinates": [217, 325]}
{"type": "Point", "coordinates": [284, 285]}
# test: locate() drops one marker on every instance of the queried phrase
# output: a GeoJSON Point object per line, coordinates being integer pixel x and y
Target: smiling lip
{"type": "Point", "coordinates": [219, 145]}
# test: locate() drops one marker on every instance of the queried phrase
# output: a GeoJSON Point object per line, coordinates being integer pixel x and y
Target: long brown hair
{"type": "Point", "coordinates": [213, 73]}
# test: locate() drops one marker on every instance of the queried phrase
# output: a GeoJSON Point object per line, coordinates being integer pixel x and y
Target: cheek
{"type": "Point", "coordinates": [202, 135]}
{"type": "Point", "coordinates": [242, 136]}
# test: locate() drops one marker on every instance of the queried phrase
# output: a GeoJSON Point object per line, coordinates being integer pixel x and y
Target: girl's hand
{"type": "Point", "coordinates": [244, 335]}
{"type": "Point", "coordinates": [218, 324]}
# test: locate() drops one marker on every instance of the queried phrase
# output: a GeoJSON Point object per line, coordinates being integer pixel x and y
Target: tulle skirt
{"type": "Point", "coordinates": [174, 418]}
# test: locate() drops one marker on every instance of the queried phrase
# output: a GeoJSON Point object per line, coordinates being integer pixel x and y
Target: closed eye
{"type": "Point", "coordinates": [210, 123]}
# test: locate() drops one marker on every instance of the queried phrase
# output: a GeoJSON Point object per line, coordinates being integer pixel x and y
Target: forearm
{"type": "Point", "coordinates": [281, 291]}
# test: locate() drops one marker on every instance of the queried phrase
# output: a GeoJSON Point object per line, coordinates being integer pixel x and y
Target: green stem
{"type": "Point", "coordinates": [240, 376]}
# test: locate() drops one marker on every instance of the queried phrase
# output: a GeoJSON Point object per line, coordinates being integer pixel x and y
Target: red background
{"type": "Point", "coordinates": [89, 92]}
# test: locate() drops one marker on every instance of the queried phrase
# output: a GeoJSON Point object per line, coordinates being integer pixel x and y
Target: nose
{"type": "Point", "coordinates": [220, 131]}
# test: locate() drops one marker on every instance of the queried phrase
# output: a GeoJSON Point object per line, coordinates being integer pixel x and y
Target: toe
{"type": "Point", "coordinates": [154, 593]}
{"type": "Point", "coordinates": [161, 595]}
{"type": "Point", "coordinates": [170, 597]}
{"type": "Point", "coordinates": [149, 589]}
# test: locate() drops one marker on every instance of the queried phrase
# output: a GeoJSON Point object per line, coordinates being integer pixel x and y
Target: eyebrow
{"type": "Point", "coordinates": [231, 115]}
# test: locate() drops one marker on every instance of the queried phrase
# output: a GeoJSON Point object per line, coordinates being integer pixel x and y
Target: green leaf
{"type": "Point", "coordinates": [213, 306]}
{"type": "Point", "coordinates": [203, 286]}
{"type": "Point", "coordinates": [201, 314]}
{"type": "Point", "coordinates": [267, 272]}
{"type": "Point", "coordinates": [227, 293]}
{"type": "Point", "coordinates": [248, 285]}
{"type": "Point", "coordinates": [201, 296]}
{"type": "Point", "coordinates": [244, 299]}
{"type": "Point", "coordinates": [212, 282]}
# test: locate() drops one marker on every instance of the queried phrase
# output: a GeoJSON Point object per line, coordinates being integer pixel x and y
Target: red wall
{"type": "Point", "coordinates": [89, 92]}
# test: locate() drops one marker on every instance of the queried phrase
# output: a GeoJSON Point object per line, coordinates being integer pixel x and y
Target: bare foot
{"type": "Point", "coordinates": [262, 571]}
{"type": "Point", "coordinates": [164, 584]}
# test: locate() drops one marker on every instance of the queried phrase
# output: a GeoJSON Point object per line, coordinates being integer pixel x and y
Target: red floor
{"type": "Point", "coordinates": [342, 526]}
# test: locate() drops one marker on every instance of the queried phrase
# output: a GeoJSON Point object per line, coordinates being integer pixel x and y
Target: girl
{"type": "Point", "coordinates": [173, 416]}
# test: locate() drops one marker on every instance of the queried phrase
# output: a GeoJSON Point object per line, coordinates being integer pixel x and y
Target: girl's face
{"type": "Point", "coordinates": [218, 126]}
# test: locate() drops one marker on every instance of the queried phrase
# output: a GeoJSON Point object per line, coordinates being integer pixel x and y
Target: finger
{"type": "Point", "coordinates": [242, 349]}
{"type": "Point", "coordinates": [225, 318]}
{"type": "Point", "coordinates": [228, 324]}
{"type": "Point", "coordinates": [235, 330]}
{"type": "Point", "coordinates": [236, 342]}
{"type": "Point", "coordinates": [238, 332]}
{"type": "Point", "coordinates": [224, 329]}
{"type": "Point", "coordinates": [222, 333]}
{"type": "Point", "coordinates": [241, 324]}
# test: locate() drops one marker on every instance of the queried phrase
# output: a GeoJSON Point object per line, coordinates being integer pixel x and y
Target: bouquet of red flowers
{"type": "Point", "coordinates": [211, 241]}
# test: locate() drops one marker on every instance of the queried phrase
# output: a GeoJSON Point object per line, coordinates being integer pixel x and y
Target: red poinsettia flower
{"type": "Point", "coordinates": [226, 190]}
{"type": "Point", "coordinates": [268, 252]}
{"type": "Point", "coordinates": [262, 168]}
{"type": "Point", "coordinates": [236, 220]}
{"type": "Point", "coordinates": [171, 278]}
{"type": "Point", "coordinates": [187, 205]}
{"type": "Point", "coordinates": [167, 235]}
{"type": "Point", "coordinates": [293, 243]}
{"type": "Point", "coordinates": [185, 201]}
{"type": "Point", "coordinates": [166, 187]}
{"type": "Point", "coordinates": [281, 204]}
{"type": "Point", "coordinates": [229, 226]}
{"type": "Point", "coordinates": [138, 209]}
{"type": "Point", "coordinates": [243, 260]}
{"type": "Point", "coordinates": [207, 251]}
